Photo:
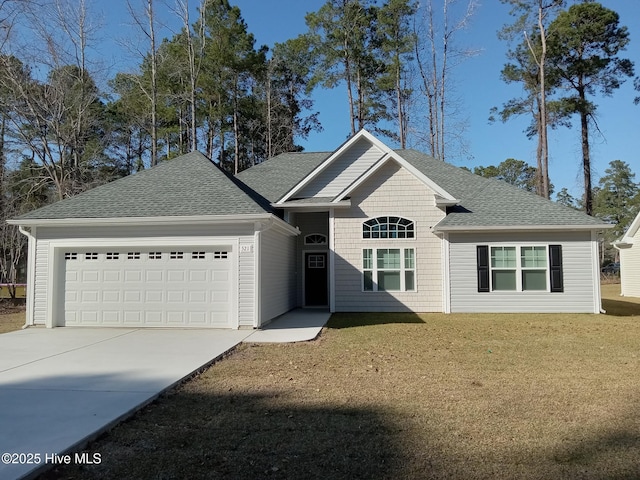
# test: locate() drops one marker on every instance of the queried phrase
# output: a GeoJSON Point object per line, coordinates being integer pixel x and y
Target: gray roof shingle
{"type": "Point", "coordinates": [275, 177]}
{"type": "Point", "coordinates": [483, 202]}
{"type": "Point", "coordinates": [486, 202]}
{"type": "Point", "coordinates": [192, 185]}
{"type": "Point", "coordinates": [188, 185]}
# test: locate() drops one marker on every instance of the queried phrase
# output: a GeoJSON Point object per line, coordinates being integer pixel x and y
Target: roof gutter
{"type": "Point", "coordinates": [516, 228]}
{"type": "Point", "coordinates": [166, 220]}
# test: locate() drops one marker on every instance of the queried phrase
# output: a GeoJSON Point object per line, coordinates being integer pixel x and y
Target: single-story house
{"type": "Point", "coordinates": [629, 246]}
{"type": "Point", "coordinates": [362, 228]}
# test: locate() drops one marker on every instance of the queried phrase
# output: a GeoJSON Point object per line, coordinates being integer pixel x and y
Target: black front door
{"type": "Point", "coordinates": [315, 279]}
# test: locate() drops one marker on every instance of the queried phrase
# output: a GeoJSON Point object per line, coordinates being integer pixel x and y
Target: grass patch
{"type": "Point", "coordinates": [12, 317]}
{"type": "Point", "coordinates": [450, 396]}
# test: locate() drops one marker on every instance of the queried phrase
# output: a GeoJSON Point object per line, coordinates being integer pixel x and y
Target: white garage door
{"type": "Point", "coordinates": [152, 287]}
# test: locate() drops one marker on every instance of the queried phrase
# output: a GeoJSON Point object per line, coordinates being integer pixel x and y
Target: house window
{"type": "Point", "coordinates": [113, 255]}
{"type": "Point", "coordinates": [155, 255]}
{"type": "Point", "coordinates": [388, 269]}
{"type": "Point", "coordinates": [388, 227]}
{"type": "Point", "coordinates": [220, 255]}
{"type": "Point", "coordinates": [91, 256]}
{"type": "Point", "coordinates": [316, 261]}
{"type": "Point", "coordinates": [520, 268]}
{"type": "Point", "coordinates": [197, 255]}
{"type": "Point", "coordinates": [176, 255]}
{"type": "Point", "coordinates": [133, 256]}
{"type": "Point", "coordinates": [70, 256]}
{"type": "Point", "coordinates": [315, 239]}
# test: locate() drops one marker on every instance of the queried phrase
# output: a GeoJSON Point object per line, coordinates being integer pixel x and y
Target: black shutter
{"type": "Point", "coordinates": [483, 268]}
{"type": "Point", "coordinates": [555, 268]}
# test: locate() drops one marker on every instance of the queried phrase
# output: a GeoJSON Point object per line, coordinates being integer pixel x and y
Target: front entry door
{"type": "Point", "coordinates": [315, 279]}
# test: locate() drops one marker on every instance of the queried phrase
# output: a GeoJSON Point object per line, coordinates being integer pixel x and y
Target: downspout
{"type": "Point", "coordinates": [31, 275]}
{"type": "Point", "coordinates": [596, 269]}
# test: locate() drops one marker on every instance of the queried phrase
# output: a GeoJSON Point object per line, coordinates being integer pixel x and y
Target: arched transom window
{"type": "Point", "coordinates": [388, 227]}
{"type": "Point", "coordinates": [315, 239]}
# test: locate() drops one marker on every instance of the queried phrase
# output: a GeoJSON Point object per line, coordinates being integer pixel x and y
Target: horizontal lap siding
{"type": "Point", "coordinates": [343, 171]}
{"type": "Point", "coordinates": [151, 231]}
{"type": "Point", "coordinates": [392, 191]}
{"type": "Point", "coordinates": [246, 282]}
{"type": "Point", "coordinates": [578, 295]}
{"type": "Point", "coordinates": [278, 276]}
{"type": "Point", "coordinates": [630, 269]}
{"type": "Point", "coordinates": [41, 280]}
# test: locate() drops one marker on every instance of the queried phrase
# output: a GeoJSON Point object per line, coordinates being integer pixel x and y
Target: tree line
{"type": "Point", "coordinates": [65, 128]}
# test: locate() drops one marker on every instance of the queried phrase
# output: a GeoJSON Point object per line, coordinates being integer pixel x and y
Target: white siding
{"type": "Point", "coordinates": [390, 191]}
{"type": "Point", "coordinates": [246, 282]}
{"type": "Point", "coordinates": [343, 171]}
{"type": "Point", "coordinates": [41, 280]}
{"type": "Point", "coordinates": [579, 289]}
{"type": "Point", "coordinates": [277, 274]}
{"type": "Point", "coordinates": [630, 268]}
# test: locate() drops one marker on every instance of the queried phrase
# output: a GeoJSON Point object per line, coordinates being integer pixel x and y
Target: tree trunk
{"type": "Point", "coordinates": [586, 157]}
{"type": "Point", "coordinates": [154, 84]}
{"type": "Point", "coordinates": [543, 165]}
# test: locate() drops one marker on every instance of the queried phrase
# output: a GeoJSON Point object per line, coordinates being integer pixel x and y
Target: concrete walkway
{"type": "Point", "coordinates": [62, 387]}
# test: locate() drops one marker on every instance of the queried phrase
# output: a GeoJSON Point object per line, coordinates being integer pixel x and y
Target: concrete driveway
{"type": "Point", "coordinates": [61, 387]}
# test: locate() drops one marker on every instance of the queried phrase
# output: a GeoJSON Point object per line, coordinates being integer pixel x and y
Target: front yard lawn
{"type": "Point", "coordinates": [12, 316]}
{"type": "Point", "coordinates": [402, 397]}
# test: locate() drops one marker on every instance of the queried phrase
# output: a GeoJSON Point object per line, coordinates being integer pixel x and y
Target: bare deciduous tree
{"type": "Point", "coordinates": [436, 56]}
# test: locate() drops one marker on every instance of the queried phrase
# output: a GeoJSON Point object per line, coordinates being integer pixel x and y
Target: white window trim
{"type": "Point", "coordinates": [519, 269]}
{"type": "Point", "coordinates": [380, 239]}
{"type": "Point", "coordinates": [375, 269]}
{"type": "Point", "coordinates": [307, 237]}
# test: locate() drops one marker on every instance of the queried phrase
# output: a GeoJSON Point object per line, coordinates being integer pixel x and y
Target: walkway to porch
{"type": "Point", "coordinates": [298, 325]}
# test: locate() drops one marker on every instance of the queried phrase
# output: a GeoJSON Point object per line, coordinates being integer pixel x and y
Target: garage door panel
{"type": "Point", "coordinates": [89, 317]}
{"type": "Point", "coordinates": [132, 276]}
{"type": "Point", "coordinates": [90, 296]}
{"type": "Point", "coordinates": [154, 296]}
{"type": "Point", "coordinates": [111, 296]}
{"type": "Point", "coordinates": [153, 287]}
{"type": "Point", "coordinates": [178, 319]}
{"type": "Point", "coordinates": [132, 317]}
{"type": "Point", "coordinates": [111, 317]}
{"type": "Point", "coordinates": [154, 275]}
{"type": "Point", "coordinates": [197, 296]}
{"type": "Point", "coordinates": [176, 296]}
{"type": "Point", "coordinates": [91, 276]}
{"type": "Point", "coordinates": [176, 276]}
{"type": "Point", "coordinates": [153, 318]}
{"type": "Point", "coordinates": [132, 296]}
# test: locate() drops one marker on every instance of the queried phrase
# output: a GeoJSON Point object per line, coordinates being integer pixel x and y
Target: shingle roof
{"type": "Point", "coordinates": [483, 202]}
{"type": "Point", "coordinates": [187, 185]}
{"type": "Point", "coordinates": [192, 185]}
{"type": "Point", "coordinates": [275, 177]}
{"type": "Point", "coordinates": [486, 202]}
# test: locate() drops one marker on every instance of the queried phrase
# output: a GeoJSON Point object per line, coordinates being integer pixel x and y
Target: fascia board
{"type": "Point", "coordinates": [506, 228]}
{"type": "Point", "coordinates": [308, 206]}
{"type": "Point", "coordinates": [344, 147]}
{"type": "Point", "coordinates": [116, 221]}
{"type": "Point", "coordinates": [631, 231]}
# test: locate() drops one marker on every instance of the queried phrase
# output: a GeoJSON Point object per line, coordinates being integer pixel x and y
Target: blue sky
{"type": "Point", "coordinates": [480, 88]}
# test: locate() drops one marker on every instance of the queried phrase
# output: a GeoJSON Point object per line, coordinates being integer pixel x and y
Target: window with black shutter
{"type": "Point", "coordinates": [483, 268]}
{"type": "Point", "coordinates": [555, 268]}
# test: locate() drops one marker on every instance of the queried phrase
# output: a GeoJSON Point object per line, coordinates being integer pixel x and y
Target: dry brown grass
{"type": "Point", "coordinates": [402, 396]}
{"type": "Point", "coordinates": [11, 317]}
